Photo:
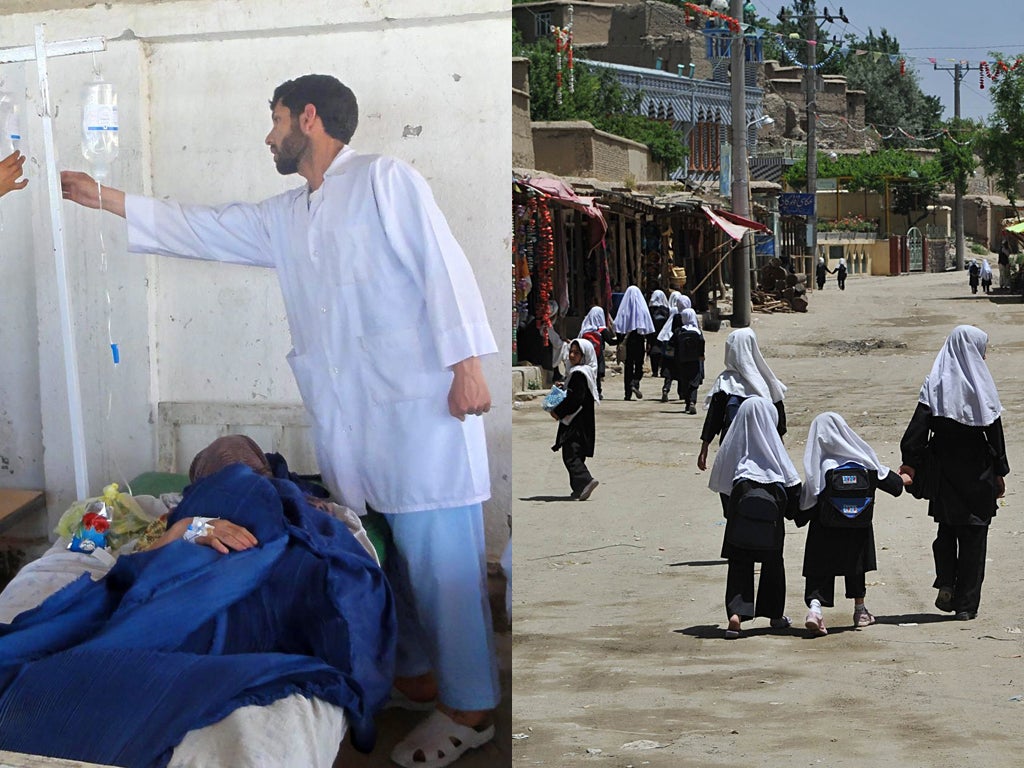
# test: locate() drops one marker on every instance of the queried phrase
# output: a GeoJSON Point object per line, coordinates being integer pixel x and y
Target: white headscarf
{"type": "Point", "coordinates": [690, 321]}
{"type": "Point", "coordinates": [633, 314]}
{"type": "Point", "coordinates": [588, 367]}
{"type": "Point", "coordinates": [594, 321]}
{"type": "Point", "coordinates": [830, 444]}
{"type": "Point", "coordinates": [746, 372]}
{"type": "Point", "coordinates": [960, 386]}
{"type": "Point", "coordinates": [752, 449]}
{"type": "Point", "coordinates": [842, 262]}
{"type": "Point", "coordinates": [678, 302]}
{"type": "Point", "coordinates": [986, 270]}
{"type": "Point", "coordinates": [658, 299]}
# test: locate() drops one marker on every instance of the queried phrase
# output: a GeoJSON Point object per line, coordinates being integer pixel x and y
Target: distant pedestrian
{"type": "Point", "coordinates": [821, 272]}
{"type": "Point", "coordinates": [659, 314]}
{"type": "Point", "coordinates": [1004, 263]}
{"type": "Point", "coordinates": [595, 330]}
{"type": "Point", "coordinates": [576, 431]}
{"type": "Point", "coordinates": [973, 275]}
{"type": "Point", "coordinates": [986, 276]}
{"type": "Point", "coordinates": [685, 362]}
{"type": "Point", "coordinates": [841, 274]}
{"type": "Point", "coordinates": [759, 488]}
{"type": "Point", "coordinates": [841, 473]}
{"type": "Point", "coordinates": [746, 374]}
{"type": "Point", "coordinates": [634, 325]}
{"type": "Point", "coordinates": [954, 455]}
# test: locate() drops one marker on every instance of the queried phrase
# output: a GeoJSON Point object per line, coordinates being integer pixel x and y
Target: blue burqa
{"type": "Point", "coordinates": [118, 671]}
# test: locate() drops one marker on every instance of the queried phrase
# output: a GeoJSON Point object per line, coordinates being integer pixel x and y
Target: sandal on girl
{"type": "Point", "coordinates": [440, 741]}
{"type": "Point", "coordinates": [814, 623]}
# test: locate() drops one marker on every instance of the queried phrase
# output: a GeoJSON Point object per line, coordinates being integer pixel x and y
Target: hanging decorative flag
{"type": "Point", "coordinates": [903, 67]}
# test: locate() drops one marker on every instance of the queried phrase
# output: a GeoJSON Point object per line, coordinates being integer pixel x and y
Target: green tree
{"type": "Point", "coordinates": [1001, 144]}
{"type": "Point", "coordinates": [893, 99]}
{"type": "Point", "coordinates": [956, 152]}
{"type": "Point", "coordinates": [912, 184]}
{"type": "Point", "coordinates": [597, 98]}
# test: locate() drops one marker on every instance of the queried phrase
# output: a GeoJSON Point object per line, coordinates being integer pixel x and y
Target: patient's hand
{"type": "Point", "coordinates": [226, 535]}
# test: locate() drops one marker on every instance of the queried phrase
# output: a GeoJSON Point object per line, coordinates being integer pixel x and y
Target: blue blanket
{"type": "Point", "coordinates": [171, 640]}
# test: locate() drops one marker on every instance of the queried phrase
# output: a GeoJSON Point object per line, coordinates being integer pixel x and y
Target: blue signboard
{"type": "Point", "coordinates": [796, 204]}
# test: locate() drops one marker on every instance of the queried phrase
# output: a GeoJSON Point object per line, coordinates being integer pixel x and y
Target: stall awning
{"type": "Point", "coordinates": [1017, 228]}
{"type": "Point", "coordinates": [563, 193]}
{"type": "Point", "coordinates": [734, 226]}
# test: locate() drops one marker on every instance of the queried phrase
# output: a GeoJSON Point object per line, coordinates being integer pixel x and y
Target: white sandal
{"type": "Point", "coordinates": [441, 740]}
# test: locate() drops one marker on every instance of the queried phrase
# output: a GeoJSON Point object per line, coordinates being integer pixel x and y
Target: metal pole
{"type": "Point", "coordinates": [958, 70]}
{"type": "Point", "coordinates": [958, 191]}
{"type": "Point", "coordinates": [74, 392]}
{"type": "Point", "coordinates": [812, 144]}
{"type": "Point", "coordinates": [740, 183]}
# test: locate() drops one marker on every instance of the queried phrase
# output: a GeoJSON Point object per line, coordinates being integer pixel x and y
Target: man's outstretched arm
{"type": "Point", "coordinates": [83, 189]}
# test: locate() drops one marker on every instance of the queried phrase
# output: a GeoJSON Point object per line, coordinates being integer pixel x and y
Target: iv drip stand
{"type": "Point", "coordinates": [40, 52]}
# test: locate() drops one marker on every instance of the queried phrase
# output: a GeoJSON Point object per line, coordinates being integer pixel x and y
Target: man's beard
{"type": "Point", "coordinates": [292, 147]}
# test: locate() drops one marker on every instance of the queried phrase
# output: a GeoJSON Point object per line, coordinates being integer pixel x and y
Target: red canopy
{"type": "Point", "coordinates": [734, 226]}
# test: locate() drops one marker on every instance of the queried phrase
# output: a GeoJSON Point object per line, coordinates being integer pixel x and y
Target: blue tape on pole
{"type": "Point", "coordinates": [115, 353]}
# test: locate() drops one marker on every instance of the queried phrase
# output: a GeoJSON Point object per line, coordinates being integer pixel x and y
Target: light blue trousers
{"type": "Point", "coordinates": [437, 568]}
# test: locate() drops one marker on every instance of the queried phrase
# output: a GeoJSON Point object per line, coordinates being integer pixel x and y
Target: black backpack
{"type": "Point", "coordinates": [755, 519]}
{"type": "Point", "coordinates": [848, 498]}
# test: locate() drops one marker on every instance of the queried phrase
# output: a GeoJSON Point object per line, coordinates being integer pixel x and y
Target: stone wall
{"type": "Point", "coordinates": [578, 149]}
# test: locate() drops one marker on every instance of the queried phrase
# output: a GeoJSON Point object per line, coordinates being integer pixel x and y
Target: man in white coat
{"type": "Point", "coordinates": [393, 396]}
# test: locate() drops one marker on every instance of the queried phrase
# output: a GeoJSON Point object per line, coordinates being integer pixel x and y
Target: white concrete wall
{"type": "Point", "coordinates": [194, 79]}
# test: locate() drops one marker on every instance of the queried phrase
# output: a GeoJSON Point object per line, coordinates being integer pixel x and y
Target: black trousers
{"type": "Point", "coordinates": [669, 372]}
{"type": "Point", "coordinates": [771, 589]}
{"type": "Point", "coordinates": [656, 358]}
{"type": "Point", "coordinates": [822, 587]}
{"type": "Point", "coordinates": [959, 552]}
{"type": "Point", "coordinates": [633, 372]}
{"type": "Point", "coordinates": [576, 464]}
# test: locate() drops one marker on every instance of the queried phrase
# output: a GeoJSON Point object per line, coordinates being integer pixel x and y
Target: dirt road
{"type": "Point", "coordinates": [618, 654]}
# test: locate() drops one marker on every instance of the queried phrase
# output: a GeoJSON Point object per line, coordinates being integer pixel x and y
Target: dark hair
{"type": "Point", "coordinates": [334, 101]}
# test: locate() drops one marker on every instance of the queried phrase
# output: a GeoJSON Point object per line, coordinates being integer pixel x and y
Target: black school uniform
{"type": "Point", "coordinates": [658, 316]}
{"type": "Point", "coordinates": [955, 469]}
{"type": "Point", "coordinates": [633, 371]}
{"type": "Point", "coordinates": [847, 552]}
{"type": "Point", "coordinates": [576, 439]}
{"type": "Point", "coordinates": [771, 586]}
{"type": "Point", "coordinates": [718, 409]}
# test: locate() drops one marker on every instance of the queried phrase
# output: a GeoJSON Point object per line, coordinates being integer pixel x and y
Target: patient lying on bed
{"type": "Point", "coordinates": [275, 598]}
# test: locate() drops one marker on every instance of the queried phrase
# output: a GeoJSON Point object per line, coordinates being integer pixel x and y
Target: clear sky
{"type": "Point", "coordinates": [961, 30]}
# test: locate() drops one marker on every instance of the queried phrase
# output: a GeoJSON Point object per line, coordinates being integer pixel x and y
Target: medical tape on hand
{"type": "Point", "coordinates": [200, 526]}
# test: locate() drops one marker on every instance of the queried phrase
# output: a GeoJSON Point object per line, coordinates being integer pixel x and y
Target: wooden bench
{"type": "Point", "coordinates": [16, 504]}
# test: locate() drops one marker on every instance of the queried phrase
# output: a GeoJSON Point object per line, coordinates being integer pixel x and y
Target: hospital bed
{"type": "Point", "coordinates": [291, 731]}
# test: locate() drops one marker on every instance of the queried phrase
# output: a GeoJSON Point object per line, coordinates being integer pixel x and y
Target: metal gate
{"type": "Point", "coordinates": [915, 249]}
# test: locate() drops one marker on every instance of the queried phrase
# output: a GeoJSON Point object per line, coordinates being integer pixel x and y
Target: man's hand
{"type": "Point", "coordinates": [11, 169]}
{"type": "Point", "coordinates": [469, 395]}
{"type": "Point", "coordinates": [1000, 487]}
{"type": "Point", "coordinates": [83, 189]}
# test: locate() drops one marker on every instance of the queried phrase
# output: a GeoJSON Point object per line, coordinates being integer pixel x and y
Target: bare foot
{"type": "Point", "coordinates": [479, 718]}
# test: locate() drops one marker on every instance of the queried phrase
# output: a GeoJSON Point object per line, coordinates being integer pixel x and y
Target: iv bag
{"type": "Point", "coordinates": [10, 124]}
{"type": "Point", "coordinates": [99, 126]}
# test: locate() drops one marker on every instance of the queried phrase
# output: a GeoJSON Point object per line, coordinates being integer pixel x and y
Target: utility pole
{"type": "Point", "coordinates": [810, 83]}
{"type": "Point", "coordinates": [740, 172]}
{"type": "Point", "coordinates": [958, 71]}
{"type": "Point", "coordinates": [810, 87]}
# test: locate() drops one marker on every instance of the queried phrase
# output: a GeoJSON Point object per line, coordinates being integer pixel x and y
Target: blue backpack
{"type": "Point", "coordinates": [848, 499]}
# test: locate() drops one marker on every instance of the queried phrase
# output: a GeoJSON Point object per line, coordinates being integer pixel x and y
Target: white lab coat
{"type": "Point", "coordinates": [381, 301]}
